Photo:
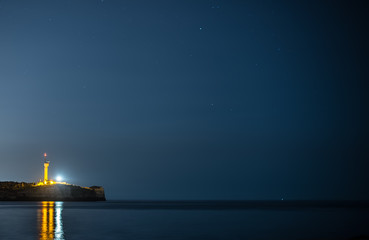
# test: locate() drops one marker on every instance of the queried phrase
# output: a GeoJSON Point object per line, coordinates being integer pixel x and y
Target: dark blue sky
{"type": "Point", "coordinates": [187, 99]}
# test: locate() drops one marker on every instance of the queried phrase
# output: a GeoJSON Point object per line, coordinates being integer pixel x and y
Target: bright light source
{"type": "Point", "coordinates": [59, 178]}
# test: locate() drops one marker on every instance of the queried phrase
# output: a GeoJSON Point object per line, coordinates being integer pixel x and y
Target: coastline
{"type": "Point", "coordinates": [22, 191]}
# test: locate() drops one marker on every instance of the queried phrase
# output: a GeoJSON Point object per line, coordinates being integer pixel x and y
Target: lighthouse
{"type": "Point", "coordinates": [46, 166]}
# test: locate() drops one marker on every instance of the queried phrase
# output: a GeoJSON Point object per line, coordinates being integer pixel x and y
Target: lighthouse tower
{"type": "Point", "coordinates": [46, 166]}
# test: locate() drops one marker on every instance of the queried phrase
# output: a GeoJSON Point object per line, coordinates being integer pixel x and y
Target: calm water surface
{"type": "Point", "coordinates": [122, 220]}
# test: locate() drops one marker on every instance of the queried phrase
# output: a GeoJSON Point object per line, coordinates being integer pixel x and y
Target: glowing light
{"type": "Point", "coordinates": [59, 178]}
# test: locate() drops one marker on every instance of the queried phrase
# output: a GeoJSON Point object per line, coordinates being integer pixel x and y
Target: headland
{"type": "Point", "coordinates": [22, 191]}
{"type": "Point", "coordinates": [49, 190]}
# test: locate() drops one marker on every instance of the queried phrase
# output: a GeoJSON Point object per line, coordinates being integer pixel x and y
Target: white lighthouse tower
{"type": "Point", "coordinates": [46, 166]}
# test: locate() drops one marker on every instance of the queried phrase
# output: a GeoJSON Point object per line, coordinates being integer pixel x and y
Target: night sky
{"type": "Point", "coordinates": [187, 99]}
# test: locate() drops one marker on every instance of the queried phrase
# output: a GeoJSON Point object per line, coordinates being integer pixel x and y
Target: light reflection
{"type": "Point", "coordinates": [50, 221]}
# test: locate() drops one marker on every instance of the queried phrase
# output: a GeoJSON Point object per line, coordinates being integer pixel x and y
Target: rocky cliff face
{"type": "Point", "coordinates": [13, 191]}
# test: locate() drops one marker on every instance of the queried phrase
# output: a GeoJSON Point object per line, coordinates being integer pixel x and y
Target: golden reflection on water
{"type": "Point", "coordinates": [50, 221]}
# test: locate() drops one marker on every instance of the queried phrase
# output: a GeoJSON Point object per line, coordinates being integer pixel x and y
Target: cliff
{"type": "Point", "coordinates": [15, 191]}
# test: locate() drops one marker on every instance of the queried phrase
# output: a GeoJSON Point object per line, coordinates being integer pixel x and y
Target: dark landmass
{"type": "Point", "coordinates": [22, 191]}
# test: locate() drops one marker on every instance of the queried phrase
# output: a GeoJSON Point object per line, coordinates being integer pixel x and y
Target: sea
{"type": "Point", "coordinates": [139, 220]}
